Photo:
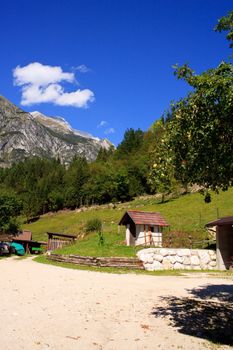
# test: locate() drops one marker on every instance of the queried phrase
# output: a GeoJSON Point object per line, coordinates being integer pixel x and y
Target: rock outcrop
{"type": "Point", "coordinates": [24, 135]}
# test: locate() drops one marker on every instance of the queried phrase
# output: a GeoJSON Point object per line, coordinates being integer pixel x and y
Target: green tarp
{"type": "Point", "coordinates": [18, 248]}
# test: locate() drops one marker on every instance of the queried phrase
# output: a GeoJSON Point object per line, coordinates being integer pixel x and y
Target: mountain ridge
{"type": "Point", "coordinates": [24, 135]}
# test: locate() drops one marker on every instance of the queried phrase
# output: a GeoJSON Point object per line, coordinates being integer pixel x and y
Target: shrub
{"type": "Point", "coordinates": [94, 225]}
{"type": "Point", "coordinates": [101, 239]}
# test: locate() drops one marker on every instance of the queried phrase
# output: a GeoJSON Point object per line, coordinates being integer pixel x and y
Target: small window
{"type": "Point", "coordinates": [151, 229]}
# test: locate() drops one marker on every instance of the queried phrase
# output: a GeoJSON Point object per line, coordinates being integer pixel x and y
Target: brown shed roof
{"type": "Point", "coordinates": [227, 220]}
{"type": "Point", "coordinates": [143, 218]}
{"type": "Point", "coordinates": [24, 236]}
{"type": "Point", "coordinates": [64, 235]}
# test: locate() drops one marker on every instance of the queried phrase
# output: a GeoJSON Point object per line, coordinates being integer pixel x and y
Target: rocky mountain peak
{"type": "Point", "coordinates": [25, 135]}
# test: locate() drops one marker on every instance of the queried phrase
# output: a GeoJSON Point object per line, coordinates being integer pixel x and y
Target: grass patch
{"type": "Point", "coordinates": [186, 215]}
{"type": "Point", "coordinates": [89, 246]}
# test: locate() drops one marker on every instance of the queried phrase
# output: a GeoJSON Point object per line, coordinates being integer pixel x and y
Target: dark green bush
{"type": "Point", "coordinates": [93, 225]}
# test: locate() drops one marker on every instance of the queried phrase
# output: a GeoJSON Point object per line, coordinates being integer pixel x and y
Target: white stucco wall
{"type": "Point", "coordinates": [130, 240]}
{"type": "Point", "coordinates": [144, 237]}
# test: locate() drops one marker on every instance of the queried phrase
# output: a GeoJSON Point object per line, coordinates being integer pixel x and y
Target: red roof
{"type": "Point", "coordinates": [143, 218]}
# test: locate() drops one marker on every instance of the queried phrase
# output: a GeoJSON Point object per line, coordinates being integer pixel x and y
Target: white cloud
{"type": "Point", "coordinates": [41, 84]}
{"type": "Point", "coordinates": [83, 69]}
{"type": "Point", "coordinates": [78, 98]}
{"type": "Point", "coordinates": [109, 131]}
{"type": "Point", "coordinates": [39, 74]}
{"type": "Point", "coordinates": [102, 124]}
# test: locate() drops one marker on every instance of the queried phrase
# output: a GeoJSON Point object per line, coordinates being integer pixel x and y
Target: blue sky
{"type": "Point", "coordinates": [114, 58]}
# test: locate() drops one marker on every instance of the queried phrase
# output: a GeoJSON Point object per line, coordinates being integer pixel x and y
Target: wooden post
{"type": "Point", "coordinates": [190, 242]}
{"type": "Point", "coordinates": [145, 234]}
{"type": "Point", "coordinates": [170, 241]}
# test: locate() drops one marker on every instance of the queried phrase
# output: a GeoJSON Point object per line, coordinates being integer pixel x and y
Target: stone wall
{"type": "Point", "coordinates": [167, 258]}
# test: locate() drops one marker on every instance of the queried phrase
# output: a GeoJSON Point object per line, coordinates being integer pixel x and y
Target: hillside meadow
{"type": "Point", "coordinates": [186, 215]}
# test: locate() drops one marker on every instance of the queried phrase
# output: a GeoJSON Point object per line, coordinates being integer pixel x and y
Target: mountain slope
{"type": "Point", "coordinates": [24, 135]}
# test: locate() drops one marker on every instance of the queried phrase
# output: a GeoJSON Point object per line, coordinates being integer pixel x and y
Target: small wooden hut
{"type": "Point", "coordinates": [143, 228]}
{"type": "Point", "coordinates": [58, 240]}
{"type": "Point", "coordinates": [224, 241]}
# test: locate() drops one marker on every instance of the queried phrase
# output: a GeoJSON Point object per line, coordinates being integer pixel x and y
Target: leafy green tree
{"type": "Point", "coordinates": [105, 154]}
{"type": "Point", "coordinates": [132, 142]}
{"type": "Point", "coordinates": [55, 200]}
{"type": "Point", "coordinates": [226, 24]}
{"type": "Point", "coordinates": [9, 210]}
{"type": "Point", "coordinates": [32, 205]}
{"type": "Point", "coordinates": [162, 172]}
{"type": "Point", "coordinates": [201, 131]}
{"type": "Point", "coordinates": [74, 180]}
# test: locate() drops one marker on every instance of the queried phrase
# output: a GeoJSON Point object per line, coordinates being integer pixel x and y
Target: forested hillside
{"type": "Point", "coordinates": [41, 185]}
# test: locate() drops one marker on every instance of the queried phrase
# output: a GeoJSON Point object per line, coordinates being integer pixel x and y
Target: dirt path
{"type": "Point", "coordinates": [46, 307]}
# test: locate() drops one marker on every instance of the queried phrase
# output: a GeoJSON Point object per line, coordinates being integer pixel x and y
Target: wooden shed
{"type": "Point", "coordinates": [30, 246]}
{"type": "Point", "coordinates": [143, 228]}
{"type": "Point", "coordinates": [224, 241]}
{"type": "Point", "coordinates": [58, 240]}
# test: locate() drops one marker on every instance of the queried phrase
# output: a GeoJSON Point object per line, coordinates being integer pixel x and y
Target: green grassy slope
{"type": "Point", "coordinates": [188, 213]}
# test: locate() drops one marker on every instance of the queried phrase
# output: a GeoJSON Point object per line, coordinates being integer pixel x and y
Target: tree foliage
{"type": "Point", "coordinates": [43, 185]}
{"type": "Point", "coordinates": [9, 209]}
{"type": "Point", "coordinates": [196, 146]}
{"type": "Point", "coordinates": [161, 176]}
{"type": "Point", "coordinates": [201, 130]}
{"type": "Point", "coordinates": [226, 24]}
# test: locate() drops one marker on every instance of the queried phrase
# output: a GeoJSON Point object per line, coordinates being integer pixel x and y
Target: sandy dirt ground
{"type": "Point", "coordinates": [51, 308]}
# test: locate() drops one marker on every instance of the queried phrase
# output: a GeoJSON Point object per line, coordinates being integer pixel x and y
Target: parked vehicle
{"type": "Point", "coordinates": [5, 249]}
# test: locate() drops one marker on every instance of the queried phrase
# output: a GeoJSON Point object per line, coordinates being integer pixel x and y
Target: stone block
{"type": "Point", "coordinates": [195, 260]}
{"type": "Point", "coordinates": [153, 267]}
{"type": "Point", "coordinates": [149, 267]}
{"type": "Point", "coordinates": [204, 266]}
{"type": "Point", "coordinates": [171, 258]}
{"type": "Point", "coordinates": [164, 252]}
{"type": "Point", "coordinates": [183, 252]}
{"type": "Point", "coordinates": [213, 258]}
{"type": "Point", "coordinates": [172, 251]}
{"type": "Point", "coordinates": [194, 252]}
{"type": "Point", "coordinates": [149, 259]}
{"type": "Point", "coordinates": [187, 260]}
{"type": "Point", "coordinates": [144, 252]}
{"type": "Point", "coordinates": [204, 257]}
{"type": "Point", "coordinates": [178, 259]}
{"type": "Point", "coordinates": [212, 252]}
{"type": "Point", "coordinates": [178, 266]}
{"type": "Point", "coordinates": [141, 256]}
{"type": "Point", "coordinates": [212, 264]}
{"type": "Point", "coordinates": [157, 265]}
{"type": "Point", "coordinates": [167, 265]}
{"type": "Point", "coordinates": [158, 257]}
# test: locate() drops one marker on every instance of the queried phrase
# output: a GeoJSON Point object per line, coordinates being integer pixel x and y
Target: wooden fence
{"type": "Point", "coordinates": [59, 240]}
{"type": "Point", "coordinates": [118, 262]}
{"type": "Point", "coordinates": [56, 243]}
